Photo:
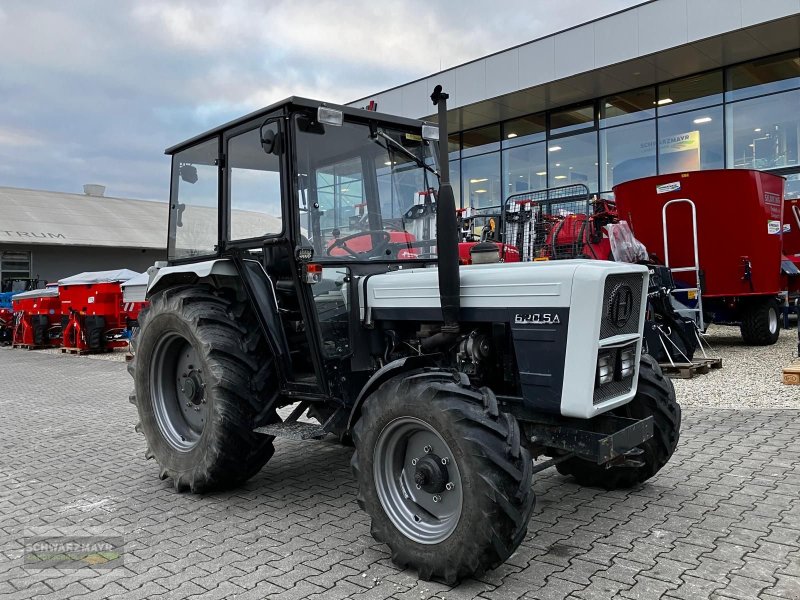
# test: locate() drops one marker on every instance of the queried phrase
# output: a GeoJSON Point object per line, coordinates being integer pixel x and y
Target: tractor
{"type": "Point", "coordinates": [313, 289]}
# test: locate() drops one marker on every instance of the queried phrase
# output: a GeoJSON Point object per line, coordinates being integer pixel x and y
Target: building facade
{"type": "Point", "coordinates": [52, 235]}
{"type": "Point", "coordinates": [665, 86]}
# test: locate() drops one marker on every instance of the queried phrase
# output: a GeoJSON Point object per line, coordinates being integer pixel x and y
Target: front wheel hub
{"type": "Point", "coordinates": [431, 475]}
{"type": "Point", "coordinates": [412, 469]}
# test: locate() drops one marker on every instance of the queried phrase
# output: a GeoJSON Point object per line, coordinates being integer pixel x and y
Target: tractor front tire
{"type": "Point", "coordinates": [655, 396]}
{"type": "Point", "coordinates": [442, 474]}
{"type": "Point", "coordinates": [760, 322]}
{"type": "Point", "coordinates": [203, 377]}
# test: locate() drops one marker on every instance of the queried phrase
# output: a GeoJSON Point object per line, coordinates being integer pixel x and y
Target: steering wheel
{"type": "Point", "coordinates": [342, 243]}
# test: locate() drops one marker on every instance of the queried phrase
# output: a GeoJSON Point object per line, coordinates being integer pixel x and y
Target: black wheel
{"type": "Point", "coordinates": [655, 396]}
{"type": "Point", "coordinates": [760, 322]}
{"type": "Point", "coordinates": [442, 474]}
{"type": "Point", "coordinates": [203, 377]}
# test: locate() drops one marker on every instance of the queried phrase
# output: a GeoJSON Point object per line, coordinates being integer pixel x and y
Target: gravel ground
{"type": "Point", "coordinates": [750, 377]}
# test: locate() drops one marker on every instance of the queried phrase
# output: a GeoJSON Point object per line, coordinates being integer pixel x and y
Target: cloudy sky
{"type": "Point", "coordinates": [93, 91]}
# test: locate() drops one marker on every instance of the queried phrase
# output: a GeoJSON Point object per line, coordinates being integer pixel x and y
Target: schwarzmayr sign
{"type": "Point", "coordinates": [32, 234]}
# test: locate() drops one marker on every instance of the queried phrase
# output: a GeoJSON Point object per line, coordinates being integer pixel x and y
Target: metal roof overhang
{"type": "Point", "coordinates": [704, 55]}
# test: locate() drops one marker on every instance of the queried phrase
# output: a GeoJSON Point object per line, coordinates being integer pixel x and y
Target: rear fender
{"type": "Point", "coordinates": [188, 274]}
{"type": "Point", "coordinates": [382, 375]}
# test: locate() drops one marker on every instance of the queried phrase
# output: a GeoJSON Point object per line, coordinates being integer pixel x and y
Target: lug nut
{"type": "Point", "coordinates": [427, 449]}
{"type": "Point", "coordinates": [413, 461]}
{"type": "Point", "coordinates": [437, 498]}
{"type": "Point", "coordinates": [419, 487]}
{"type": "Point", "coordinates": [450, 485]}
{"type": "Point", "coordinates": [445, 460]}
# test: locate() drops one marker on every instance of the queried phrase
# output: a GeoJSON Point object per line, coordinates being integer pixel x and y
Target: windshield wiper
{"type": "Point", "coordinates": [403, 150]}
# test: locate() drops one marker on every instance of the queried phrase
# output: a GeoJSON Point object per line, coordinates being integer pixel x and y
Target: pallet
{"type": "Point", "coordinates": [698, 366]}
{"type": "Point", "coordinates": [791, 374]}
{"type": "Point", "coordinates": [82, 352]}
{"type": "Point", "coordinates": [29, 347]}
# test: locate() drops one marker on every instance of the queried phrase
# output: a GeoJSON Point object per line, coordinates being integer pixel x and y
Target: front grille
{"type": "Point", "coordinates": [617, 304]}
{"type": "Point", "coordinates": [612, 390]}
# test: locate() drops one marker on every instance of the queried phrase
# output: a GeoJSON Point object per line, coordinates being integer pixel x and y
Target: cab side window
{"type": "Point", "coordinates": [254, 180]}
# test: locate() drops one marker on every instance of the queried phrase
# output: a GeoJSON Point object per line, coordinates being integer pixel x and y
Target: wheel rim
{"type": "Point", "coordinates": [417, 480]}
{"type": "Point", "coordinates": [773, 320]}
{"type": "Point", "coordinates": [178, 392]}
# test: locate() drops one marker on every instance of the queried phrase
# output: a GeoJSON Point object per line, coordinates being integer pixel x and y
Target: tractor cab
{"type": "Point", "coordinates": [316, 195]}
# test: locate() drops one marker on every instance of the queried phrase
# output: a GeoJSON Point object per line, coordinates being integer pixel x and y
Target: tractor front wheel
{"type": "Point", "coordinates": [442, 474]}
{"type": "Point", "coordinates": [655, 397]}
{"type": "Point", "coordinates": [203, 378]}
{"type": "Point", "coordinates": [760, 322]}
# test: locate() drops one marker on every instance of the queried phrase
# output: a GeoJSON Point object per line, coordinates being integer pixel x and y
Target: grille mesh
{"type": "Point", "coordinates": [612, 390]}
{"type": "Point", "coordinates": [634, 281]}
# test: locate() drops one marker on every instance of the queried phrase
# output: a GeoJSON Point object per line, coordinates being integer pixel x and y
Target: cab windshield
{"type": "Point", "coordinates": [364, 192]}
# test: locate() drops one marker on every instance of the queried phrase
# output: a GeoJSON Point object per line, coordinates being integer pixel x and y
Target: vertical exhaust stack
{"type": "Point", "coordinates": [446, 229]}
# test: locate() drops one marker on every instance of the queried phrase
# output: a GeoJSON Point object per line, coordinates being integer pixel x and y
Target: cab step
{"type": "Point", "coordinates": [293, 430]}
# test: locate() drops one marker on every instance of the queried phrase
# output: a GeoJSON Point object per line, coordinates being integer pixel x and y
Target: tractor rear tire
{"type": "Point", "coordinates": [203, 378]}
{"type": "Point", "coordinates": [655, 396]}
{"type": "Point", "coordinates": [475, 521]}
{"type": "Point", "coordinates": [760, 322]}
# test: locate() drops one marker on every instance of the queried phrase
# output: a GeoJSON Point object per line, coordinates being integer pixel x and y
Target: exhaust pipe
{"type": "Point", "coordinates": [446, 235]}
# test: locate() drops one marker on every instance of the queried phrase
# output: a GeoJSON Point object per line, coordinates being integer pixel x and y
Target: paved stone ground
{"type": "Point", "coordinates": [722, 520]}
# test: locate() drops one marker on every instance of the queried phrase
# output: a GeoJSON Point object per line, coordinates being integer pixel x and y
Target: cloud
{"type": "Point", "coordinates": [9, 137]}
{"type": "Point", "coordinates": [92, 93]}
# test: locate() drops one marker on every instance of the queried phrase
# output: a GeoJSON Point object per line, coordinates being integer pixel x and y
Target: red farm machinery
{"type": "Point", "coordinates": [566, 223]}
{"type": "Point", "coordinates": [36, 319]}
{"type": "Point", "coordinates": [95, 317]}
{"type": "Point", "coordinates": [729, 242]}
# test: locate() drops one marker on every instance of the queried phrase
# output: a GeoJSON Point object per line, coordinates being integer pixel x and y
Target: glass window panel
{"type": "Point", "coordinates": [691, 141]}
{"type": "Point", "coordinates": [525, 130]}
{"type": "Point", "coordinates": [690, 93]}
{"type": "Point", "coordinates": [13, 266]}
{"type": "Point", "coordinates": [764, 76]}
{"type": "Point", "coordinates": [478, 141]}
{"type": "Point", "coordinates": [572, 119]}
{"type": "Point", "coordinates": [525, 169]}
{"type": "Point", "coordinates": [480, 180]}
{"type": "Point", "coordinates": [628, 107]}
{"type": "Point", "coordinates": [453, 145]}
{"type": "Point", "coordinates": [792, 191]}
{"type": "Point", "coordinates": [194, 201]}
{"type": "Point", "coordinates": [629, 152]}
{"type": "Point", "coordinates": [455, 181]}
{"type": "Point", "coordinates": [764, 133]}
{"type": "Point", "coordinates": [255, 188]}
{"type": "Point", "coordinates": [573, 160]}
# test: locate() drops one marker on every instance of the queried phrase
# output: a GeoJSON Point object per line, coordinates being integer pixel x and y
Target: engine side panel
{"type": "Point", "coordinates": [557, 314]}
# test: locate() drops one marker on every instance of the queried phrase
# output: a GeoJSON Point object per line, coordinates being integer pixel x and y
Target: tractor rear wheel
{"type": "Point", "coordinates": [442, 474]}
{"type": "Point", "coordinates": [203, 377]}
{"type": "Point", "coordinates": [760, 322]}
{"type": "Point", "coordinates": [655, 396]}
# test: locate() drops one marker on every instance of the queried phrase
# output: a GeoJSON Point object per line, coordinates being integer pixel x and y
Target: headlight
{"type": "Point", "coordinates": [627, 362]}
{"type": "Point", "coordinates": [605, 367]}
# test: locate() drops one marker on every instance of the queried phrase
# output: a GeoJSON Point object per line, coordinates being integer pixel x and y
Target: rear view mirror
{"type": "Point", "coordinates": [268, 141]}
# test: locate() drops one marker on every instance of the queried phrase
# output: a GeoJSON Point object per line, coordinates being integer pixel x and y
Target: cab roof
{"type": "Point", "coordinates": [289, 104]}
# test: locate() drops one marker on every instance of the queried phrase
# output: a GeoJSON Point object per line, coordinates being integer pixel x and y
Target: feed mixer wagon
{"type": "Point", "coordinates": [722, 234]}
